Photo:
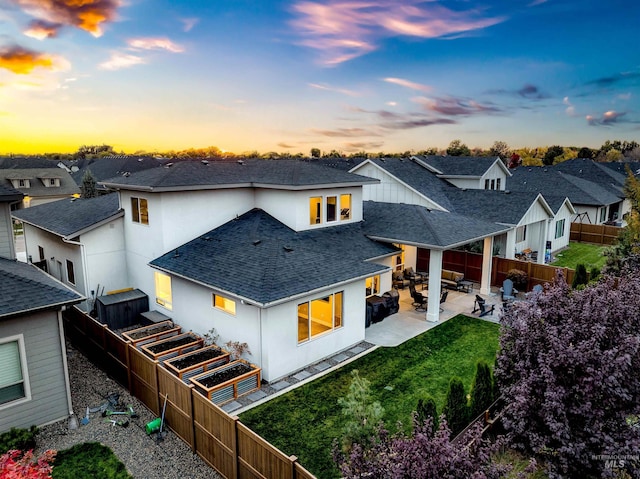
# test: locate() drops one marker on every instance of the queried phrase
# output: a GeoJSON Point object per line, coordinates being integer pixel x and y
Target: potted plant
{"type": "Point", "coordinates": [519, 278]}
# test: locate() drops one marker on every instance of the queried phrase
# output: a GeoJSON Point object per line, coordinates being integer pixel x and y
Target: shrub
{"type": "Point", "coordinates": [481, 390]}
{"type": "Point", "coordinates": [426, 409]}
{"type": "Point", "coordinates": [18, 465]}
{"type": "Point", "coordinates": [580, 278]}
{"type": "Point", "coordinates": [362, 412]}
{"type": "Point", "coordinates": [594, 274]}
{"type": "Point", "coordinates": [456, 410]}
{"type": "Point", "coordinates": [20, 439]}
{"type": "Point", "coordinates": [518, 277]}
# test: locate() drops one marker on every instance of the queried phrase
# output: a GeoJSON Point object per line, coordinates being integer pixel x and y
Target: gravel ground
{"type": "Point", "coordinates": [143, 457]}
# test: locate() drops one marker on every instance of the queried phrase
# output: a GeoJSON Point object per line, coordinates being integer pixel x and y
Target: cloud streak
{"type": "Point", "coordinates": [341, 30]}
{"type": "Point", "coordinates": [119, 60]}
{"type": "Point", "coordinates": [342, 91]}
{"type": "Point", "coordinates": [452, 106]}
{"type": "Point", "coordinates": [608, 118]}
{"type": "Point", "coordinates": [88, 15]}
{"type": "Point", "coordinates": [23, 61]}
{"type": "Point", "coordinates": [346, 132]}
{"type": "Point", "coordinates": [408, 84]}
{"type": "Point", "coordinates": [151, 43]}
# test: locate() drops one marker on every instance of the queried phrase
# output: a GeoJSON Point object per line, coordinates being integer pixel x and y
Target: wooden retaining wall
{"type": "Point", "coordinates": [598, 234]}
{"type": "Point", "coordinates": [221, 440]}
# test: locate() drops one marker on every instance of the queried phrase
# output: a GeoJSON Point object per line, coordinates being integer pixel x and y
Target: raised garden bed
{"type": "Point", "coordinates": [152, 333]}
{"type": "Point", "coordinates": [228, 382]}
{"type": "Point", "coordinates": [173, 346]}
{"type": "Point", "coordinates": [197, 362]}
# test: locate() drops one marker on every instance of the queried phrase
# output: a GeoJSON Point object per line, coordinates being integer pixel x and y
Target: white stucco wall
{"type": "Point", "coordinates": [105, 257]}
{"type": "Point", "coordinates": [390, 190]}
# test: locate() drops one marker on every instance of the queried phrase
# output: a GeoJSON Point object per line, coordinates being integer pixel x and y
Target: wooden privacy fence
{"type": "Point", "coordinates": [598, 234]}
{"type": "Point", "coordinates": [221, 440]}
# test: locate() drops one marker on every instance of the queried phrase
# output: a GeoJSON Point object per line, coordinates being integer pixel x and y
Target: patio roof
{"type": "Point", "coordinates": [419, 226]}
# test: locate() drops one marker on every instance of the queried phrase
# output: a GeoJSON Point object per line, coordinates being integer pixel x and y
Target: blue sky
{"type": "Point", "coordinates": [350, 75]}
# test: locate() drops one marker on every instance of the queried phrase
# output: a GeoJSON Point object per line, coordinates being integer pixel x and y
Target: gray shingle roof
{"type": "Point", "coordinates": [344, 164]}
{"type": "Point", "coordinates": [413, 224]}
{"type": "Point", "coordinates": [8, 193]}
{"type": "Point", "coordinates": [289, 174]}
{"type": "Point", "coordinates": [621, 167]}
{"type": "Point", "coordinates": [36, 176]}
{"type": "Point", "coordinates": [551, 181]}
{"type": "Point", "coordinates": [24, 288]}
{"type": "Point", "coordinates": [418, 178]}
{"type": "Point", "coordinates": [26, 162]}
{"type": "Point", "coordinates": [68, 217]}
{"type": "Point", "coordinates": [504, 207]}
{"type": "Point", "coordinates": [595, 172]}
{"type": "Point", "coordinates": [111, 167]}
{"type": "Point", "coordinates": [258, 258]}
{"type": "Point", "coordinates": [475, 166]}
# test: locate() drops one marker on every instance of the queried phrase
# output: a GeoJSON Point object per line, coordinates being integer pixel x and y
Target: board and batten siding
{"type": "Point", "coordinates": [46, 372]}
{"type": "Point", "coordinates": [7, 249]}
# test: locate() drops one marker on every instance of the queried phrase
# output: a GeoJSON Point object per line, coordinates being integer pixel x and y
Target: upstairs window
{"type": "Point", "coordinates": [225, 304]}
{"type": "Point", "coordinates": [22, 183]}
{"type": "Point", "coordinates": [332, 206]}
{"type": "Point", "coordinates": [493, 184]}
{"type": "Point", "coordinates": [345, 207]}
{"type": "Point", "coordinates": [521, 234]}
{"type": "Point", "coordinates": [315, 210]}
{"type": "Point", "coordinates": [71, 275]}
{"type": "Point", "coordinates": [14, 380]}
{"type": "Point", "coordinates": [335, 208]}
{"type": "Point", "coordinates": [163, 290]}
{"type": "Point", "coordinates": [486, 184]}
{"type": "Point", "coordinates": [498, 183]}
{"type": "Point", "coordinates": [559, 229]}
{"type": "Point", "coordinates": [139, 210]}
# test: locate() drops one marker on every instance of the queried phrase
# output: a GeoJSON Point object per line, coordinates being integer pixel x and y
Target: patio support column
{"type": "Point", "coordinates": [544, 233]}
{"type": "Point", "coordinates": [487, 254]}
{"type": "Point", "coordinates": [435, 275]}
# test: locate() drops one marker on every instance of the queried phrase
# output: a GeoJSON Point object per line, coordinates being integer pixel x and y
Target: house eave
{"type": "Point", "coordinates": [54, 307]}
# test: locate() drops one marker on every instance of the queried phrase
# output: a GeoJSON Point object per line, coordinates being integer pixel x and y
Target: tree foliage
{"type": "Point", "coordinates": [426, 409]}
{"type": "Point", "coordinates": [585, 152]}
{"type": "Point", "coordinates": [363, 414]}
{"type": "Point", "coordinates": [88, 187]}
{"type": "Point", "coordinates": [580, 278]}
{"type": "Point", "coordinates": [18, 465]}
{"type": "Point", "coordinates": [421, 455]}
{"type": "Point", "coordinates": [501, 149]}
{"type": "Point", "coordinates": [552, 153]}
{"type": "Point", "coordinates": [455, 408]}
{"type": "Point", "coordinates": [481, 390]}
{"type": "Point", "coordinates": [568, 367]}
{"type": "Point", "coordinates": [457, 148]}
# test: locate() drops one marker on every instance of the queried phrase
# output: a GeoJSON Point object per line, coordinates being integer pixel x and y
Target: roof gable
{"type": "Point", "coordinates": [461, 166]}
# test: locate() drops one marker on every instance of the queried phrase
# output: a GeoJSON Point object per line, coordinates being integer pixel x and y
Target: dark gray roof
{"type": "Point", "coordinates": [111, 167]}
{"type": "Point", "coordinates": [260, 259]}
{"type": "Point", "coordinates": [504, 207]}
{"type": "Point", "coordinates": [69, 217]}
{"type": "Point", "coordinates": [26, 162]}
{"type": "Point", "coordinates": [36, 176]}
{"type": "Point", "coordinates": [9, 194]}
{"type": "Point", "coordinates": [413, 224]}
{"type": "Point", "coordinates": [551, 181]}
{"type": "Point", "coordinates": [24, 288]}
{"type": "Point", "coordinates": [621, 167]}
{"type": "Point", "coordinates": [475, 166]}
{"type": "Point", "coordinates": [595, 172]}
{"type": "Point", "coordinates": [288, 174]}
{"type": "Point", "coordinates": [344, 164]}
{"type": "Point", "coordinates": [417, 177]}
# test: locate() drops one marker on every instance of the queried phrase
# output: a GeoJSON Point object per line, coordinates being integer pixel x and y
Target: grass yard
{"type": "Point", "coordinates": [89, 460]}
{"type": "Point", "coordinates": [305, 421]}
{"type": "Point", "coordinates": [588, 254]}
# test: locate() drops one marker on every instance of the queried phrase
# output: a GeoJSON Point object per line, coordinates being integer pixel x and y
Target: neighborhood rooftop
{"type": "Point", "coordinates": [257, 257]}
{"type": "Point", "coordinates": [8, 193]}
{"type": "Point", "coordinates": [71, 216]}
{"type": "Point", "coordinates": [473, 166]}
{"type": "Point", "coordinates": [24, 288]}
{"type": "Point", "coordinates": [205, 174]}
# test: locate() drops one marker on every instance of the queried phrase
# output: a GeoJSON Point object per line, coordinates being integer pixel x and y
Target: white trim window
{"type": "Point", "coordinates": [319, 316]}
{"type": "Point", "coordinates": [373, 285]}
{"type": "Point", "coordinates": [329, 209]}
{"type": "Point", "coordinates": [225, 304]}
{"type": "Point", "coordinates": [71, 275]}
{"type": "Point", "coordinates": [521, 233]}
{"type": "Point", "coordinates": [14, 376]}
{"type": "Point", "coordinates": [559, 228]}
{"type": "Point", "coordinates": [139, 210]}
{"type": "Point", "coordinates": [603, 214]}
{"type": "Point", "coordinates": [163, 290]}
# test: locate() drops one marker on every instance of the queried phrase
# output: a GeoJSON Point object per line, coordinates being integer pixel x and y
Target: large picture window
{"type": "Point", "coordinates": [319, 316]}
{"type": "Point", "coordinates": [163, 290]}
{"type": "Point", "coordinates": [225, 304]}
{"type": "Point", "coordinates": [14, 380]}
{"type": "Point", "coordinates": [139, 210]}
{"type": "Point", "coordinates": [329, 209]}
{"type": "Point", "coordinates": [559, 229]}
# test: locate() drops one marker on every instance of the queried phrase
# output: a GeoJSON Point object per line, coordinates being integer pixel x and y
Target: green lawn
{"type": "Point", "coordinates": [89, 460]}
{"type": "Point", "coordinates": [588, 254]}
{"type": "Point", "coordinates": [305, 421]}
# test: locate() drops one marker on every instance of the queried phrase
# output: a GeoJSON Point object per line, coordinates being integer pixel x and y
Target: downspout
{"type": "Point", "coordinates": [85, 271]}
{"type": "Point", "coordinates": [65, 366]}
{"type": "Point", "coordinates": [261, 339]}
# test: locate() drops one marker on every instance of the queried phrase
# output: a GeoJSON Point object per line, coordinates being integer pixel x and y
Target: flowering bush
{"type": "Point", "coordinates": [18, 465]}
{"type": "Point", "coordinates": [518, 277]}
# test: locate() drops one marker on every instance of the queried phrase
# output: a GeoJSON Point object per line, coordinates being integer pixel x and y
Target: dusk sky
{"type": "Point", "coordinates": [287, 76]}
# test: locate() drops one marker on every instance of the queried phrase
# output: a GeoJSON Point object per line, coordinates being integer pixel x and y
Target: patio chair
{"type": "Point", "coordinates": [537, 289]}
{"type": "Point", "coordinates": [419, 301]}
{"type": "Point", "coordinates": [508, 291]}
{"type": "Point", "coordinates": [443, 298]}
{"type": "Point", "coordinates": [411, 275]}
{"type": "Point", "coordinates": [480, 306]}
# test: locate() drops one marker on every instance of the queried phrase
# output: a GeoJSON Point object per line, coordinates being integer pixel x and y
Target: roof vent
{"type": "Point", "coordinates": [241, 162]}
{"type": "Point", "coordinates": [206, 238]}
{"type": "Point", "coordinates": [176, 253]}
{"type": "Point", "coordinates": [140, 159]}
{"type": "Point", "coordinates": [287, 248]}
{"type": "Point", "coordinates": [126, 174]}
{"type": "Point", "coordinates": [507, 192]}
{"type": "Point", "coordinates": [169, 165]}
{"type": "Point", "coordinates": [205, 162]}
{"type": "Point", "coordinates": [257, 242]}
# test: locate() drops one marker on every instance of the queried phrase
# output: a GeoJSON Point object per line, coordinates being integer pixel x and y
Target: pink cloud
{"type": "Point", "coordinates": [119, 60]}
{"type": "Point", "coordinates": [452, 106]}
{"type": "Point", "coordinates": [151, 43]}
{"type": "Point", "coordinates": [408, 84]}
{"type": "Point", "coordinates": [342, 91]}
{"type": "Point", "coordinates": [346, 29]}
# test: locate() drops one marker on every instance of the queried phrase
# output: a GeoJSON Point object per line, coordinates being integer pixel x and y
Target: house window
{"type": "Point", "coordinates": [486, 184]}
{"type": "Point", "coordinates": [14, 378]}
{"type": "Point", "coordinates": [71, 276]}
{"type": "Point", "coordinates": [139, 210]}
{"type": "Point", "coordinates": [319, 316]}
{"type": "Point", "coordinates": [498, 184]}
{"type": "Point", "coordinates": [315, 210]}
{"type": "Point", "coordinates": [225, 304]}
{"type": "Point", "coordinates": [521, 233]}
{"type": "Point", "coordinates": [603, 214]}
{"type": "Point", "coordinates": [559, 229]}
{"type": "Point", "coordinates": [41, 253]}
{"type": "Point", "coordinates": [163, 290]}
{"type": "Point", "coordinates": [493, 184]}
{"type": "Point", "coordinates": [22, 183]}
{"type": "Point", "coordinates": [345, 207]}
{"type": "Point", "coordinates": [332, 206]}
{"type": "Point", "coordinates": [373, 285]}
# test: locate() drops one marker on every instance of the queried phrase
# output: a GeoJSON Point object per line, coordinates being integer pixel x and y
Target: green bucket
{"type": "Point", "coordinates": [153, 426]}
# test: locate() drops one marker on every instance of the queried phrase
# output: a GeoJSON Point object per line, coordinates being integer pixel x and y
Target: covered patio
{"type": "Point", "coordinates": [408, 323]}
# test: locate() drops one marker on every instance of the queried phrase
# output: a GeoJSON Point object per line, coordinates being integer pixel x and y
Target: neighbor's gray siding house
{"type": "Point", "coordinates": [34, 382]}
{"type": "Point", "coordinates": [8, 196]}
{"type": "Point", "coordinates": [39, 185]}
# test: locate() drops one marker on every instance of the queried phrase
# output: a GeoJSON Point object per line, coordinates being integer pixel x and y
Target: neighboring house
{"type": "Point", "coordinates": [592, 202]}
{"type": "Point", "coordinates": [34, 382]}
{"type": "Point", "coordinates": [39, 185]}
{"type": "Point", "coordinates": [472, 172]}
{"type": "Point", "coordinates": [8, 197]}
{"type": "Point", "coordinates": [78, 241]}
{"type": "Point", "coordinates": [110, 167]}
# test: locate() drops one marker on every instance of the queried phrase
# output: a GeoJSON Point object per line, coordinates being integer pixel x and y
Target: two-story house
{"type": "Point", "coordinates": [39, 185]}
